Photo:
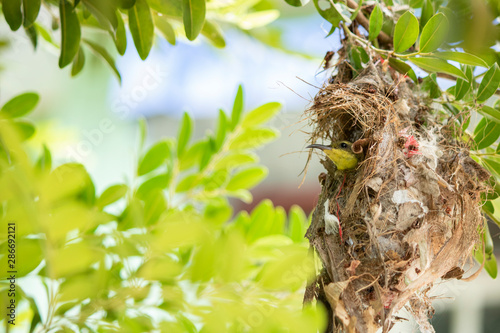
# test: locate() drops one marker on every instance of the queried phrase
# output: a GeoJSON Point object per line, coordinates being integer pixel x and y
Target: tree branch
{"type": "Point", "coordinates": [383, 38]}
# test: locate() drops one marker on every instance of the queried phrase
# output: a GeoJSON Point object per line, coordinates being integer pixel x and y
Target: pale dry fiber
{"type": "Point", "coordinates": [410, 212]}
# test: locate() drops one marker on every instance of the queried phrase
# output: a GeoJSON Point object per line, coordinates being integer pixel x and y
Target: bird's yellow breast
{"type": "Point", "coordinates": [344, 160]}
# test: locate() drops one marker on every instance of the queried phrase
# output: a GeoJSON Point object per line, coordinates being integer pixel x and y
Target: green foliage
{"type": "Point", "coordinates": [432, 64]}
{"type": "Point", "coordinates": [297, 3]}
{"type": "Point", "coordinates": [405, 32]}
{"type": "Point", "coordinates": [141, 27]}
{"type": "Point", "coordinates": [150, 244]}
{"type": "Point", "coordinates": [376, 21]}
{"type": "Point", "coordinates": [145, 17]}
{"type": "Point", "coordinates": [12, 12]}
{"type": "Point", "coordinates": [70, 33]}
{"type": "Point", "coordinates": [20, 105]}
{"type": "Point", "coordinates": [193, 16]}
{"type": "Point", "coordinates": [489, 83]}
{"type": "Point", "coordinates": [434, 33]}
{"type": "Point", "coordinates": [101, 51]}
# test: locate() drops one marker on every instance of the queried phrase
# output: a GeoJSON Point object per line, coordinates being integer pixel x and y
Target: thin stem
{"type": "Point", "coordinates": [486, 154]}
{"type": "Point", "coordinates": [366, 43]}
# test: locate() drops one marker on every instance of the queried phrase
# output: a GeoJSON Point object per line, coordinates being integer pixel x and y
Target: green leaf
{"type": "Point", "coordinates": [237, 108]}
{"type": "Point", "coordinates": [330, 13]}
{"type": "Point", "coordinates": [165, 28]}
{"type": "Point", "coordinates": [216, 180]}
{"type": "Point", "coordinates": [493, 165]}
{"type": "Point", "coordinates": [247, 178]}
{"type": "Point", "coordinates": [193, 16]}
{"type": "Point", "coordinates": [158, 182]}
{"type": "Point", "coordinates": [405, 32]}
{"type": "Point", "coordinates": [155, 157]}
{"type": "Point", "coordinates": [297, 3]}
{"type": "Point", "coordinates": [132, 216]}
{"type": "Point", "coordinates": [154, 205]}
{"type": "Point", "coordinates": [126, 4]}
{"type": "Point", "coordinates": [79, 287]}
{"type": "Point", "coordinates": [261, 114]}
{"type": "Point", "coordinates": [358, 57]}
{"type": "Point", "coordinates": [297, 224]}
{"type": "Point", "coordinates": [489, 83]}
{"type": "Point", "coordinates": [221, 130]}
{"type": "Point", "coordinates": [416, 3]}
{"type": "Point", "coordinates": [112, 194]}
{"type": "Point", "coordinates": [143, 131]}
{"type": "Point", "coordinates": [486, 133]}
{"type": "Point", "coordinates": [494, 193]}
{"type": "Point", "coordinates": [434, 33]}
{"type": "Point", "coordinates": [32, 34]}
{"type": "Point", "coordinates": [72, 259]}
{"type": "Point", "coordinates": [262, 218]}
{"type": "Point", "coordinates": [279, 274]}
{"type": "Point", "coordinates": [217, 212]}
{"type": "Point", "coordinates": [490, 113]}
{"type": "Point", "coordinates": [120, 37]}
{"type": "Point", "coordinates": [491, 266]}
{"type": "Point", "coordinates": [403, 68]}
{"type": "Point", "coordinates": [31, 8]}
{"type": "Point", "coordinates": [431, 64]}
{"type": "Point", "coordinates": [429, 84]}
{"type": "Point", "coordinates": [160, 269]}
{"type": "Point", "coordinates": [28, 251]}
{"type": "Point", "coordinates": [188, 183]}
{"type": "Point", "coordinates": [167, 7]}
{"type": "Point", "coordinates": [427, 12]}
{"type": "Point", "coordinates": [184, 133]}
{"type": "Point", "coordinates": [461, 57]}
{"type": "Point", "coordinates": [193, 155]}
{"type": "Point", "coordinates": [462, 87]}
{"type": "Point", "coordinates": [45, 34]}
{"type": "Point", "coordinates": [253, 138]}
{"type": "Point", "coordinates": [353, 16]}
{"type": "Point", "coordinates": [213, 32]}
{"type": "Point", "coordinates": [104, 12]}
{"type": "Point", "coordinates": [70, 33]}
{"type": "Point", "coordinates": [12, 13]}
{"type": "Point", "coordinates": [234, 160]}
{"type": "Point", "coordinates": [480, 125]}
{"type": "Point", "coordinates": [68, 181]}
{"type": "Point", "coordinates": [243, 195]}
{"type": "Point", "coordinates": [492, 209]}
{"type": "Point", "coordinates": [78, 62]}
{"type": "Point", "coordinates": [231, 258]}
{"type": "Point", "coordinates": [44, 163]}
{"type": "Point", "coordinates": [376, 21]}
{"type": "Point", "coordinates": [257, 19]}
{"type": "Point", "coordinates": [20, 105]}
{"type": "Point", "coordinates": [141, 27]}
{"type": "Point", "coordinates": [101, 51]}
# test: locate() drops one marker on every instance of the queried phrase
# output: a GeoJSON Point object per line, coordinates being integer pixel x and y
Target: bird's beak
{"type": "Point", "coordinates": [322, 147]}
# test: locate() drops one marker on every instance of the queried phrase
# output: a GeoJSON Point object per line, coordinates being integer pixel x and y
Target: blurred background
{"type": "Point", "coordinates": [93, 119]}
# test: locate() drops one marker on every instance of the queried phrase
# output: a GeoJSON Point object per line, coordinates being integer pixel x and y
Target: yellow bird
{"type": "Point", "coordinates": [340, 153]}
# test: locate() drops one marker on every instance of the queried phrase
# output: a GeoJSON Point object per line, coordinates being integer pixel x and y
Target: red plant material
{"type": "Point", "coordinates": [411, 144]}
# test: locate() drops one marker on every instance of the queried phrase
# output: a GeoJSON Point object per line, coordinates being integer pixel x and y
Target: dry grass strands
{"type": "Point", "coordinates": [410, 211]}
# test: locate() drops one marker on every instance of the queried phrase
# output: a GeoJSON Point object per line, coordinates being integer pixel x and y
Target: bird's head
{"type": "Point", "coordinates": [340, 153]}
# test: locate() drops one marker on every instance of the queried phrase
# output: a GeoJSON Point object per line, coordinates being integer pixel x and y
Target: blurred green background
{"type": "Point", "coordinates": [200, 79]}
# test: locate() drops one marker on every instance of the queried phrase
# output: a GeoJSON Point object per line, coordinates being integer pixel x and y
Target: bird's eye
{"type": "Point", "coordinates": [343, 145]}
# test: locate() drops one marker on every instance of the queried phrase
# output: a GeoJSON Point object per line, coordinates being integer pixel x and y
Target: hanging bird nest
{"type": "Point", "coordinates": [410, 212]}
